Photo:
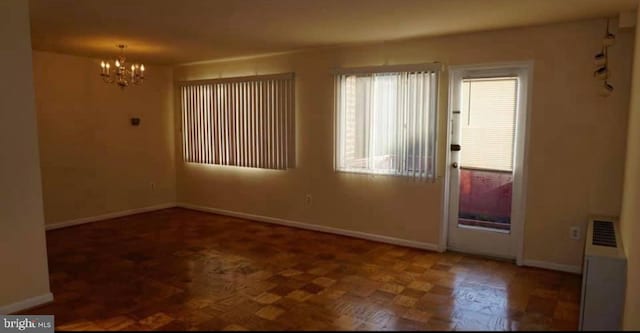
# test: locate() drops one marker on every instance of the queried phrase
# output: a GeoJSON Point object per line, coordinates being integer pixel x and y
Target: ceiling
{"type": "Point", "coordinates": [180, 31]}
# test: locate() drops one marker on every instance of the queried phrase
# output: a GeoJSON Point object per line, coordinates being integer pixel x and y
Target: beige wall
{"type": "Point", "coordinates": [575, 155]}
{"type": "Point", "coordinates": [23, 253]}
{"type": "Point", "coordinates": [630, 219]}
{"type": "Point", "coordinates": [93, 161]}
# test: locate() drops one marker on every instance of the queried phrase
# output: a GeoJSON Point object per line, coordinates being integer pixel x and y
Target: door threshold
{"type": "Point", "coordinates": [482, 255]}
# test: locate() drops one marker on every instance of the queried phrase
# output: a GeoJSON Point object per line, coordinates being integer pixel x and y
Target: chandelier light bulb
{"type": "Point", "coordinates": [142, 68]}
{"type": "Point", "coordinates": [102, 64]}
{"type": "Point", "coordinates": [108, 65]}
{"type": "Point", "coordinates": [117, 63]}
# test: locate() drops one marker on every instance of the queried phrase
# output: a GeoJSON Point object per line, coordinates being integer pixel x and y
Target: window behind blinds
{"type": "Point", "coordinates": [386, 123]}
{"type": "Point", "coordinates": [488, 121]}
{"type": "Point", "coordinates": [245, 122]}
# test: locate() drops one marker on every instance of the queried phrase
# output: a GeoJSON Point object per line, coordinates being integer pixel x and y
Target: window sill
{"type": "Point", "coordinates": [431, 179]}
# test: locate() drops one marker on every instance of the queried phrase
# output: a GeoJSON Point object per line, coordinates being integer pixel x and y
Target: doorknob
{"type": "Point", "coordinates": [454, 165]}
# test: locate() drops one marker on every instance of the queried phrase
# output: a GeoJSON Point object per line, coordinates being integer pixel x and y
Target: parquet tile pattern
{"type": "Point", "coordinates": [178, 269]}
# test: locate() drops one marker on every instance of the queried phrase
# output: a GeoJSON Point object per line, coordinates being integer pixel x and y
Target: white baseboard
{"type": "Point", "coordinates": [315, 227]}
{"type": "Point", "coordinates": [26, 303]}
{"type": "Point", "coordinates": [553, 266]}
{"type": "Point", "coordinates": [107, 216]}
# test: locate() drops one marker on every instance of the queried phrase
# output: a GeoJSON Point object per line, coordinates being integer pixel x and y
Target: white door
{"type": "Point", "coordinates": [486, 154]}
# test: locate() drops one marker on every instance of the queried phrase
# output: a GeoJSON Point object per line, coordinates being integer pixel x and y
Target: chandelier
{"type": "Point", "coordinates": [121, 74]}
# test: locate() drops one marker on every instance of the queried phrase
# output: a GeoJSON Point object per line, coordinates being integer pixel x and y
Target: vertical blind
{"type": "Point", "coordinates": [246, 122]}
{"type": "Point", "coordinates": [386, 123]}
{"type": "Point", "coordinates": [488, 122]}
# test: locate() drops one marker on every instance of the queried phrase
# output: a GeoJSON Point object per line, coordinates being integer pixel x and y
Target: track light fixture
{"type": "Point", "coordinates": [601, 62]}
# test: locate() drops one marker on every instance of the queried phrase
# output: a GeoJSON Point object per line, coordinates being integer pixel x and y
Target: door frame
{"type": "Point", "coordinates": [518, 212]}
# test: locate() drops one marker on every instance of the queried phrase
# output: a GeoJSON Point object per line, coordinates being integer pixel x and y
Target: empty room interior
{"type": "Point", "coordinates": [320, 165]}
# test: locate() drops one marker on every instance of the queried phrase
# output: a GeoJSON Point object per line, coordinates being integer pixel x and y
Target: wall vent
{"type": "Point", "coordinates": [604, 233]}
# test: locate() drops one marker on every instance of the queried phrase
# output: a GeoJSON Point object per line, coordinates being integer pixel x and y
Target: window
{"type": "Point", "coordinates": [240, 121]}
{"type": "Point", "coordinates": [386, 122]}
{"type": "Point", "coordinates": [488, 122]}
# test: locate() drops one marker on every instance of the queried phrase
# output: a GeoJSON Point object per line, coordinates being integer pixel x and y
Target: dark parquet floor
{"type": "Point", "coordinates": [177, 269]}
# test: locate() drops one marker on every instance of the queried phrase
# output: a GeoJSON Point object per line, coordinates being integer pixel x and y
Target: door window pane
{"type": "Point", "coordinates": [487, 126]}
{"type": "Point", "coordinates": [488, 122]}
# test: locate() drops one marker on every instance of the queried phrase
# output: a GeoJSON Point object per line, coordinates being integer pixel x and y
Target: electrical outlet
{"type": "Point", "coordinates": [574, 233]}
{"type": "Point", "coordinates": [308, 200]}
